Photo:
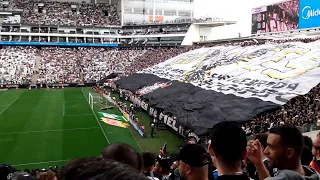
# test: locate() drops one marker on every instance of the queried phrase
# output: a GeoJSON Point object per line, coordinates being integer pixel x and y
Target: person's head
{"type": "Point", "coordinates": [308, 141]}
{"type": "Point", "coordinates": [316, 147]}
{"type": "Point", "coordinates": [140, 162]}
{"type": "Point", "coordinates": [6, 171]}
{"type": "Point", "coordinates": [149, 161]}
{"type": "Point", "coordinates": [193, 163]}
{"type": "Point", "coordinates": [50, 175]}
{"type": "Point", "coordinates": [121, 152]}
{"type": "Point", "coordinates": [175, 158]}
{"type": "Point", "coordinates": [285, 145]}
{"type": "Point", "coordinates": [101, 169]}
{"type": "Point", "coordinates": [164, 166]}
{"type": "Point", "coordinates": [306, 156]}
{"type": "Point", "coordinates": [228, 145]}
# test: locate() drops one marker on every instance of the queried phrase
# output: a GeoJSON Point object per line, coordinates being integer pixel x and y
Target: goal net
{"type": "Point", "coordinates": [96, 100]}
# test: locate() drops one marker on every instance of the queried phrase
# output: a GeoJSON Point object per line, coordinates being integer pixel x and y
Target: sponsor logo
{"type": "Point", "coordinates": [308, 12]}
{"type": "Point", "coordinates": [149, 89]}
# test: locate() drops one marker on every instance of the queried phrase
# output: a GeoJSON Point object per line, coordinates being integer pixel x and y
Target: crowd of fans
{"type": "Point", "coordinates": [59, 65]}
{"type": "Point", "coordinates": [283, 153]}
{"type": "Point", "coordinates": [302, 111]}
{"type": "Point", "coordinates": [66, 13]}
{"type": "Point", "coordinates": [78, 14]}
{"type": "Point", "coordinates": [17, 64]}
{"type": "Point", "coordinates": [70, 65]}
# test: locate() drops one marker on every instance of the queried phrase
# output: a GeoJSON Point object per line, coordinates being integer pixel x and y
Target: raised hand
{"type": "Point", "coordinates": [254, 151]}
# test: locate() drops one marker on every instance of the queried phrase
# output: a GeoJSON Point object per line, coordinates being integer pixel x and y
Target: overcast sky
{"type": "Point", "coordinates": [235, 10]}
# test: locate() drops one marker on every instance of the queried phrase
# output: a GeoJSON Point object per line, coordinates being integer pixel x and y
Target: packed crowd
{"type": "Point", "coordinates": [283, 153]}
{"type": "Point", "coordinates": [302, 111]}
{"type": "Point", "coordinates": [69, 65]}
{"type": "Point", "coordinates": [59, 65]}
{"type": "Point", "coordinates": [17, 64]}
{"type": "Point", "coordinates": [78, 14]}
{"type": "Point", "coordinates": [66, 13]}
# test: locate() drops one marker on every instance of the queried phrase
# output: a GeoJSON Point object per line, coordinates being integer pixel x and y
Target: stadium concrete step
{"type": "Point", "coordinates": [161, 126]}
{"type": "Point", "coordinates": [36, 70]}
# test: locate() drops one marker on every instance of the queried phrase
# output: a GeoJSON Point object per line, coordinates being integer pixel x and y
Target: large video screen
{"type": "Point", "coordinates": [309, 14]}
{"type": "Point", "coordinates": [278, 17]}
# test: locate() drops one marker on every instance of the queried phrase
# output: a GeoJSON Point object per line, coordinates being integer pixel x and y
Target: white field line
{"type": "Point", "coordinates": [46, 162]}
{"type": "Point", "coordinates": [54, 130]}
{"type": "Point", "coordinates": [4, 105]}
{"type": "Point", "coordinates": [96, 118]}
{"type": "Point", "coordinates": [63, 108]}
{"type": "Point", "coordinates": [10, 104]}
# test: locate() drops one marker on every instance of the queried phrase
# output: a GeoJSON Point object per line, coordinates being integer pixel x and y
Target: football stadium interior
{"type": "Point", "coordinates": [123, 81]}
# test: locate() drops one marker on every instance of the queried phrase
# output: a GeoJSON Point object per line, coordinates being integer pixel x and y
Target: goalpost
{"type": "Point", "coordinates": [91, 100]}
{"type": "Point", "coordinates": [97, 99]}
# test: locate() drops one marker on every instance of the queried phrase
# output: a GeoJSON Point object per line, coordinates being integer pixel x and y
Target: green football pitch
{"type": "Point", "coordinates": [47, 127]}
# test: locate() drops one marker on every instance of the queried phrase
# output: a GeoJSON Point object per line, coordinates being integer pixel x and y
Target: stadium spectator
{"type": "Point", "coordinates": [228, 149]}
{"type": "Point", "coordinates": [149, 161]}
{"type": "Point", "coordinates": [49, 175]}
{"type": "Point", "coordinates": [262, 138]}
{"type": "Point", "coordinates": [285, 146]}
{"type": "Point", "coordinates": [6, 171]}
{"type": "Point", "coordinates": [194, 161]}
{"type": "Point", "coordinates": [306, 156]}
{"type": "Point", "coordinates": [315, 164]}
{"type": "Point", "coordinates": [163, 166]}
{"type": "Point", "coordinates": [121, 152]}
{"type": "Point", "coordinates": [23, 176]}
{"type": "Point", "coordinates": [100, 169]}
{"type": "Point", "coordinates": [308, 141]}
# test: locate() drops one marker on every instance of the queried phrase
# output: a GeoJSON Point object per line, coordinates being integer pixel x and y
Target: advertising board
{"type": "Point", "coordinates": [309, 14]}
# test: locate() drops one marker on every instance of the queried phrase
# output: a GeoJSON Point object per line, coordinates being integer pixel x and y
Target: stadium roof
{"type": "Point", "coordinates": [215, 23]}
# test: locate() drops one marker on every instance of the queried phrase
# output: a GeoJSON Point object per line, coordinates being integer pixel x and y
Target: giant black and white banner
{"type": "Point", "coordinates": [209, 85]}
{"type": "Point", "coordinates": [270, 72]}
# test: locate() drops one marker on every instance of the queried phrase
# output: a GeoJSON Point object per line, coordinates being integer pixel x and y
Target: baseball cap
{"type": "Point", "coordinates": [6, 171]}
{"type": "Point", "coordinates": [194, 155]}
{"type": "Point", "coordinates": [22, 176]}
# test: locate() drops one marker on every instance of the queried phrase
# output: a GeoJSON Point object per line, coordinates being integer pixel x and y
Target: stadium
{"type": "Point", "coordinates": [109, 89]}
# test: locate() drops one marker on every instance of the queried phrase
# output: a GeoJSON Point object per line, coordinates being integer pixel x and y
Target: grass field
{"type": "Point", "coordinates": [41, 128]}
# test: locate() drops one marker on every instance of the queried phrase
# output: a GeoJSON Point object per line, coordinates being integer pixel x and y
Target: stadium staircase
{"type": "Point", "coordinates": [36, 71]}
{"type": "Point", "coordinates": [161, 126]}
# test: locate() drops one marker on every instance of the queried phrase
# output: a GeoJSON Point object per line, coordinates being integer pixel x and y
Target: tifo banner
{"type": "Point", "coordinates": [276, 17]}
{"type": "Point", "coordinates": [210, 85]}
{"type": "Point", "coordinates": [309, 14]}
{"type": "Point", "coordinates": [271, 72]}
{"type": "Point", "coordinates": [112, 116]}
{"type": "Point", "coordinates": [113, 122]}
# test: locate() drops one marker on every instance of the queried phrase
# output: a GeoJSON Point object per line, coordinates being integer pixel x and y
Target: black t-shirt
{"type": "Point", "coordinates": [156, 176]}
{"type": "Point", "coordinates": [233, 177]}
